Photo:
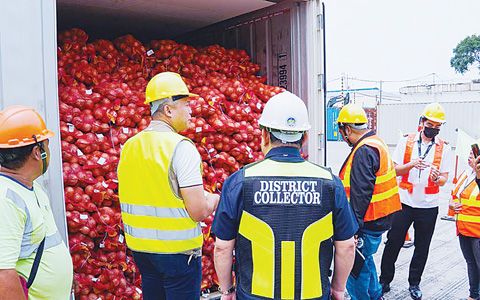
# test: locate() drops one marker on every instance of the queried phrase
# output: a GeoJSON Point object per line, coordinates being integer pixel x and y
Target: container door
{"type": "Point", "coordinates": [28, 76]}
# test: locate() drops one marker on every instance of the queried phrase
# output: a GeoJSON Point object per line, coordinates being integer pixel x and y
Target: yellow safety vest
{"type": "Point", "coordinates": [155, 218]}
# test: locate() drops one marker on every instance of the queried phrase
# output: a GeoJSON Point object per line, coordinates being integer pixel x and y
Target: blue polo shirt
{"type": "Point", "coordinates": [229, 211]}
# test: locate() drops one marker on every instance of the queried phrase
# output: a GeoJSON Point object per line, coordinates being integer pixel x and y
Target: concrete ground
{"type": "Point", "coordinates": [445, 275]}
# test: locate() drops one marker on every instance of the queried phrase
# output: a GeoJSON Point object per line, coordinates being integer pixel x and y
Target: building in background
{"type": "Point", "coordinates": [451, 92]}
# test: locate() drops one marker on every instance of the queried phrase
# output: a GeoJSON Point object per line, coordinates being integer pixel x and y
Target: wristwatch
{"type": "Point", "coordinates": [227, 292]}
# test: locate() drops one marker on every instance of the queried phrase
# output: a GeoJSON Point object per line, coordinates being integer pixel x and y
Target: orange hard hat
{"type": "Point", "coordinates": [21, 126]}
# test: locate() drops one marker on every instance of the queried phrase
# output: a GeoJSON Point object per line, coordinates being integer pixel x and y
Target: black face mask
{"type": "Point", "coordinates": [431, 132]}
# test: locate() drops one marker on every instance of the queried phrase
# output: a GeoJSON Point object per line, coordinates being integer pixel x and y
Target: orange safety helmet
{"type": "Point", "coordinates": [21, 126]}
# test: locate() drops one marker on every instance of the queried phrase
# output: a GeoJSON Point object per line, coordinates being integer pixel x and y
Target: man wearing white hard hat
{"type": "Point", "coordinates": [284, 217]}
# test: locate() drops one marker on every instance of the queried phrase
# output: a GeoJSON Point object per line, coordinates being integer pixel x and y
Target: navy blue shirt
{"type": "Point", "coordinates": [229, 211]}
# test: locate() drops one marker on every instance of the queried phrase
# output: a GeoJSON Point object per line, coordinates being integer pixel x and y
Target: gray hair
{"type": "Point", "coordinates": [159, 105]}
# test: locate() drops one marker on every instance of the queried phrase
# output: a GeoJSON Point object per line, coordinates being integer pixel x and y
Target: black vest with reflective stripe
{"type": "Point", "coordinates": [284, 247]}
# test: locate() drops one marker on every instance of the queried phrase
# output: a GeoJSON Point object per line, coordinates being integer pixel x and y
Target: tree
{"type": "Point", "coordinates": [466, 54]}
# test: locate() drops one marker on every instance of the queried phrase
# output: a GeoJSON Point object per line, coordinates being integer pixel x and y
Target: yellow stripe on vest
{"type": "Point", "coordinates": [288, 270]}
{"type": "Point", "coordinates": [465, 218]}
{"type": "Point", "coordinates": [472, 201]}
{"type": "Point", "coordinates": [386, 177]}
{"type": "Point", "coordinates": [263, 253]}
{"type": "Point", "coordinates": [384, 195]}
{"type": "Point", "coordinates": [157, 223]}
{"type": "Point", "coordinates": [316, 233]}
{"type": "Point", "coordinates": [270, 167]}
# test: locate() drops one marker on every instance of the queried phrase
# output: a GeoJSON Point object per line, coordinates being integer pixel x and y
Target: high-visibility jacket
{"type": "Point", "coordinates": [432, 187]}
{"type": "Point", "coordinates": [385, 198]}
{"type": "Point", "coordinates": [155, 218]}
{"type": "Point", "coordinates": [468, 219]}
{"type": "Point", "coordinates": [284, 247]}
{"type": "Point", "coordinates": [26, 218]}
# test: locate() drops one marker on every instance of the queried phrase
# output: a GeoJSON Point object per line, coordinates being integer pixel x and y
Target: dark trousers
{"type": "Point", "coordinates": [471, 252]}
{"type": "Point", "coordinates": [423, 220]}
{"type": "Point", "coordinates": [169, 276]}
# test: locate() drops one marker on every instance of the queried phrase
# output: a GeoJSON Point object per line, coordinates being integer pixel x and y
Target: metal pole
{"type": "Point", "coordinates": [324, 88]}
{"type": "Point", "coordinates": [381, 84]}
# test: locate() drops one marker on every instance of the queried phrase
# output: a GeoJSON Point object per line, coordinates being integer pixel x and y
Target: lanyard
{"type": "Point", "coordinates": [420, 149]}
{"type": "Point", "coordinates": [420, 152]}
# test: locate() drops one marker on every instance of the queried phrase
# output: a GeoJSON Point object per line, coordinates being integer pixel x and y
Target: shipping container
{"type": "Point", "coordinates": [284, 37]}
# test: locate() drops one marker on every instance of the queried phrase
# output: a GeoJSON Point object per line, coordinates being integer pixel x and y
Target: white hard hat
{"type": "Point", "coordinates": [286, 115]}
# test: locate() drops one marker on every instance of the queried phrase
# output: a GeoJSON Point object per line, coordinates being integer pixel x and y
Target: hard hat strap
{"type": "Point", "coordinates": [43, 154]}
{"type": "Point", "coordinates": [360, 126]}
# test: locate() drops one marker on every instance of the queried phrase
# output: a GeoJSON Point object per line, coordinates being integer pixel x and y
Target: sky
{"type": "Point", "coordinates": [397, 40]}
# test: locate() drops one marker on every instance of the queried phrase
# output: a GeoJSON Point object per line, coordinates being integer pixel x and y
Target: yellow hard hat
{"type": "Point", "coordinates": [434, 112]}
{"type": "Point", "coordinates": [352, 114]}
{"type": "Point", "coordinates": [166, 85]}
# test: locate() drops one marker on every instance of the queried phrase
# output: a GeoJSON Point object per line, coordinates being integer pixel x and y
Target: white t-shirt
{"type": "Point", "coordinates": [419, 179]}
{"type": "Point", "coordinates": [185, 170]}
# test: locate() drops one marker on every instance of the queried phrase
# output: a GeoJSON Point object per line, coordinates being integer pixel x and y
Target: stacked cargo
{"type": "Point", "coordinates": [101, 93]}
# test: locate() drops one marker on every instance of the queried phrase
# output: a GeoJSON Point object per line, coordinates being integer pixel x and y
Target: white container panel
{"type": "Point", "coordinates": [394, 119]}
{"type": "Point", "coordinates": [28, 76]}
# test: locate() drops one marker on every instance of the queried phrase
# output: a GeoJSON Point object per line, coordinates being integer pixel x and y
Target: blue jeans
{"type": "Point", "coordinates": [169, 276]}
{"type": "Point", "coordinates": [366, 286]}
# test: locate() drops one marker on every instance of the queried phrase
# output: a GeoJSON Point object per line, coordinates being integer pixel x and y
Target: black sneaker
{"type": "Point", "coordinates": [385, 287]}
{"type": "Point", "coordinates": [415, 292]}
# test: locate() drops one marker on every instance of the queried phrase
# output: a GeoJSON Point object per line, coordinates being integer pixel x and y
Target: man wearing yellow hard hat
{"type": "Point", "coordinates": [422, 162]}
{"type": "Point", "coordinates": [368, 176]}
{"type": "Point", "coordinates": [162, 197]}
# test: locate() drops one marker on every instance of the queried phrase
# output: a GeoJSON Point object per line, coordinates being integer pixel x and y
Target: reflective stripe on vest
{"type": "Point", "coordinates": [468, 219]}
{"type": "Point", "coordinates": [385, 199]}
{"type": "Point", "coordinates": [155, 218]}
{"type": "Point", "coordinates": [284, 242]}
{"type": "Point", "coordinates": [27, 248]}
{"type": "Point", "coordinates": [431, 187]}
{"type": "Point", "coordinates": [456, 189]}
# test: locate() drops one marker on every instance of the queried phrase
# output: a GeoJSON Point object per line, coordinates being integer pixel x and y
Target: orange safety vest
{"type": "Point", "coordinates": [385, 199]}
{"type": "Point", "coordinates": [468, 219]}
{"type": "Point", "coordinates": [431, 187]}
